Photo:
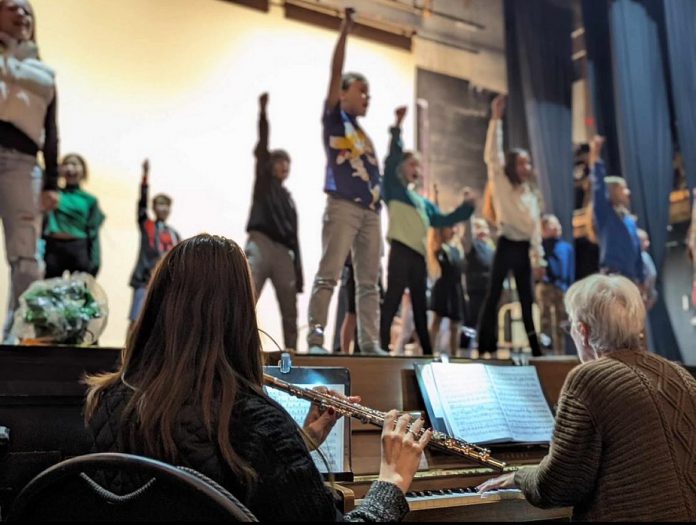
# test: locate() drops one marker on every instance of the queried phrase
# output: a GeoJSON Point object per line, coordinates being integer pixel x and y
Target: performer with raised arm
{"type": "Point", "coordinates": [351, 220]}
{"type": "Point", "coordinates": [518, 215]}
{"type": "Point", "coordinates": [410, 216]}
{"type": "Point", "coordinates": [615, 228]}
{"type": "Point", "coordinates": [156, 239]}
{"type": "Point", "coordinates": [273, 249]}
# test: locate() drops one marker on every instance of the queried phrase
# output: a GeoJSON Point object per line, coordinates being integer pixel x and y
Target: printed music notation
{"type": "Point", "coordinates": [488, 404]}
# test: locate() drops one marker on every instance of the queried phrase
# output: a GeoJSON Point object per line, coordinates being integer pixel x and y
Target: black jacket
{"type": "Point", "coordinates": [289, 486]}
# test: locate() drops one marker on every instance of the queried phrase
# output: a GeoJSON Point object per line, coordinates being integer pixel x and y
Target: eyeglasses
{"type": "Point", "coordinates": [566, 326]}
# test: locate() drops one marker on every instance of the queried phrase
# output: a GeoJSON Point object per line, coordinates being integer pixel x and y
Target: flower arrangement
{"type": "Point", "coordinates": [65, 310]}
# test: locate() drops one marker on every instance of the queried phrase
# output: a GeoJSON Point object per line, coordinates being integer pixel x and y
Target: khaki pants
{"type": "Point", "coordinates": [348, 228]}
{"type": "Point", "coordinates": [272, 260]}
{"type": "Point", "coordinates": [552, 310]}
{"type": "Point", "coordinates": [21, 221]}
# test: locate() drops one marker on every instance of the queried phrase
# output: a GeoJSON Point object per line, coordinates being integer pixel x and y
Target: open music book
{"type": "Point", "coordinates": [486, 403]}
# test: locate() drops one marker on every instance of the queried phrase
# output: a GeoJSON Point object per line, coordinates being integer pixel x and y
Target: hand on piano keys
{"type": "Point", "coordinates": [506, 481]}
{"type": "Point", "coordinates": [428, 499]}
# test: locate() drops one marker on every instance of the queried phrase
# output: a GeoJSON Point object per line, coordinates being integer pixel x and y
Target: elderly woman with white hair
{"type": "Point", "coordinates": [624, 443]}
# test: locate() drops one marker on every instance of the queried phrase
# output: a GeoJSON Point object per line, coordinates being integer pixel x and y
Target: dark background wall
{"type": "Point", "coordinates": [457, 114]}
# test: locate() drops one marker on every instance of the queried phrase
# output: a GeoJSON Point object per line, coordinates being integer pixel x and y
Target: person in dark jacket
{"type": "Point", "coordinates": [156, 239]}
{"type": "Point", "coordinates": [189, 391]}
{"type": "Point", "coordinates": [479, 250]}
{"type": "Point", "coordinates": [273, 248]}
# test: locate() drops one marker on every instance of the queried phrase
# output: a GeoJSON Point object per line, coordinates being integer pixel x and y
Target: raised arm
{"type": "Point", "coordinates": [142, 203]}
{"type": "Point", "coordinates": [262, 145]}
{"type": "Point", "coordinates": [493, 153]}
{"type": "Point", "coordinates": [264, 172]}
{"type": "Point", "coordinates": [339, 55]}
{"type": "Point", "coordinates": [601, 206]}
{"type": "Point", "coordinates": [392, 184]}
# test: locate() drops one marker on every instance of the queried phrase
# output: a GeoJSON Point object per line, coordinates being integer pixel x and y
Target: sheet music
{"type": "Point", "coordinates": [334, 445]}
{"type": "Point", "coordinates": [471, 408]}
{"type": "Point", "coordinates": [431, 389]}
{"type": "Point", "coordinates": [522, 402]}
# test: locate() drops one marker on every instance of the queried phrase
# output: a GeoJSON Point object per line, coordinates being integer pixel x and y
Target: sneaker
{"type": "Point", "coordinates": [315, 337]}
{"type": "Point", "coordinates": [374, 351]}
{"type": "Point", "coordinates": [318, 350]}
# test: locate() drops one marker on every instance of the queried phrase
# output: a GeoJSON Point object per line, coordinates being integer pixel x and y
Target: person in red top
{"type": "Point", "coordinates": [156, 239]}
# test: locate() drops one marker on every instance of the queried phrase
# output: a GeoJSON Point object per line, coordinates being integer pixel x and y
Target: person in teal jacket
{"type": "Point", "coordinates": [410, 216]}
{"type": "Point", "coordinates": [71, 231]}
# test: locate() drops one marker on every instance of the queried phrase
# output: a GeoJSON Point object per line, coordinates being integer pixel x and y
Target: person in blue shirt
{"type": "Point", "coordinates": [649, 271]}
{"type": "Point", "coordinates": [352, 221]}
{"type": "Point", "coordinates": [559, 275]}
{"type": "Point", "coordinates": [615, 228]}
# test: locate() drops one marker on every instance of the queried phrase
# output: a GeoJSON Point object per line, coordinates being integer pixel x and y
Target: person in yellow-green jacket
{"type": "Point", "coordinates": [71, 231]}
{"type": "Point", "coordinates": [410, 216]}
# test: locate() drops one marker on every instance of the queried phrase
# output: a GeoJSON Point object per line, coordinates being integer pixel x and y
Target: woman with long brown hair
{"type": "Point", "coordinates": [189, 392]}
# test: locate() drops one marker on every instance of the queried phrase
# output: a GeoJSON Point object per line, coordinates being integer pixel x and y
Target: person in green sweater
{"type": "Point", "coordinates": [410, 216]}
{"type": "Point", "coordinates": [623, 446]}
{"type": "Point", "coordinates": [71, 231]}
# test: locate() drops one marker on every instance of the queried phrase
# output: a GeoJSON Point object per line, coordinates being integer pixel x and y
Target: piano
{"type": "Point", "coordinates": [444, 491]}
{"type": "Point", "coordinates": [41, 402]}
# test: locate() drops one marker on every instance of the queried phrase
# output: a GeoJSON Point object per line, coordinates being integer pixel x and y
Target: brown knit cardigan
{"type": "Point", "coordinates": [624, 443]}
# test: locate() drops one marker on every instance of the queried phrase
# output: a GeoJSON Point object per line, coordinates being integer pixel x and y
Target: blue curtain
{"type": "Point", "coordinates": [544, 55]}
{"type": "Point", "coordinates": [516, 121]}
{"type": "Point", "coordinates": [644, 135]}
{"type": "Point", "coordinates": [680, 23]}
{"type": "Point", "coordinates": [600, 78]}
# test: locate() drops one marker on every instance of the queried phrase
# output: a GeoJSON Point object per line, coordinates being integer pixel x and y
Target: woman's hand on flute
{"type": "Point", "coordinates": [320, 421]}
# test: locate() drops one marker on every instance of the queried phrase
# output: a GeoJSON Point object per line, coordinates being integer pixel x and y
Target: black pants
{"type": "Point", "coordinates": [476, 301]}
{"type": "Point", "coordinates": [67, 254]}
{"type": "Point", "coordinates": [509, 256]}
{"type": "Point", "coordinates": [407, 269]}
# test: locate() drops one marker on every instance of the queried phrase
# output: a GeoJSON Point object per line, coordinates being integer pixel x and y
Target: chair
{"type": "Point", "coordinates": [69, 491]}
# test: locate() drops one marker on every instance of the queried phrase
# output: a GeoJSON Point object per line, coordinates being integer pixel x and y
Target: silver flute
{"type": "Point", "coordinates": [439, 440]}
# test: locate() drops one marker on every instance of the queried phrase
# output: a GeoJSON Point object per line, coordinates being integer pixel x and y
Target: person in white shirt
{"type": "Point", "coordinates": [518, 216]}
{"type": "Point", "coordinates": [27, 125]}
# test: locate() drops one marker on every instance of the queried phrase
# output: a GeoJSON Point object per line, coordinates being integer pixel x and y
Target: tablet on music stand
{"type": "Point", "coordinates": [335, 452]}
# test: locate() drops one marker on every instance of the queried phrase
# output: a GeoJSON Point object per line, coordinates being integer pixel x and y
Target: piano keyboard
{"type": "Point", "coordinates": [433, 499]}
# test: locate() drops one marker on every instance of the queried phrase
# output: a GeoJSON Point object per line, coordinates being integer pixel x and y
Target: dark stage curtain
{"type": "Point", "coordinates": [644, 135]}
{"type": "Point", "coordinates": [680, 24]}
{"type": "Point", "coordinates": [516, 121]}
{"type": "Point", "coordinates": [600, 78]}
{"type": "Point", "coordinates": [542, 52]}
